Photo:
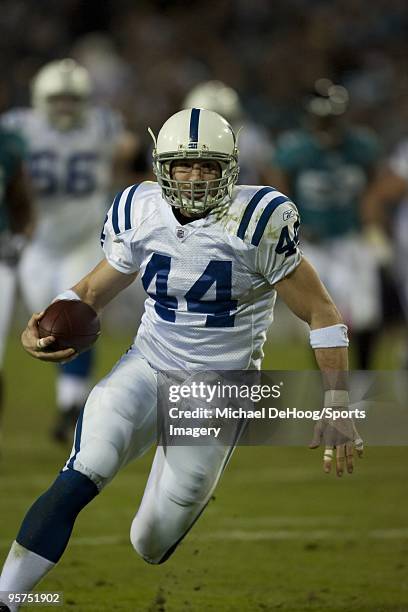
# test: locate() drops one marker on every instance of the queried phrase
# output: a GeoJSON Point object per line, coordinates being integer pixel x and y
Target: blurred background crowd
{"type": "Point", "coordinates": [145, 56]}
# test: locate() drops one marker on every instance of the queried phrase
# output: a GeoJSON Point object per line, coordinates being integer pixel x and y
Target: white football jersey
{"type": "Point", "coordinates": [70, 172]}
{"type": "Point", "coordinates": [209, 282]}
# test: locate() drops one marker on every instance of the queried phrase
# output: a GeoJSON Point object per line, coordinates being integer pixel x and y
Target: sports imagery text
{"type": "Point", "coordinates": [203, 410]}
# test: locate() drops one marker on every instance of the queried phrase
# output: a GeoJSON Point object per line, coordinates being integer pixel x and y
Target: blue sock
{"type": "Point", "coordinates": [81, 366]}
{"type": "Point", "coordinates": [48, 524]}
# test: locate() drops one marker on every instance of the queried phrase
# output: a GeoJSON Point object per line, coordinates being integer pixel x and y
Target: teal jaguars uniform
{"type": "Point", "coordinates": [327, 185]}
{"type": "Point", "coordinates": [12, 151]}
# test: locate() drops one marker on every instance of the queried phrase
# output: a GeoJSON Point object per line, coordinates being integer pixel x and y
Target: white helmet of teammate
{"type": "Point", "coordinates": [61, 90]}
{"type": "Point", "coordinates": [196, 133]}
{"type": "Point", "coordinates": [215, 96]}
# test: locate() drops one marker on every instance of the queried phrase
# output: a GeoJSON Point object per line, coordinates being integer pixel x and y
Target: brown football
{"type": "Point", "coordinates": [73, 324]}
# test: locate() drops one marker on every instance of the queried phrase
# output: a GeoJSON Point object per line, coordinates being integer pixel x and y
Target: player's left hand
{"type": "Point", "coordinates": [41, 348]}
{"type": "Point", "coordinates": [338, 435]}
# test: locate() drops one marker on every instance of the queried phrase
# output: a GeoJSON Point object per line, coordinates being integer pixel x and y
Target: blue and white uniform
{"type": "Point", "coordinates": [210, 300]}
{"type": "Point", "coordinates": [71, 174]}
{"type": "Point", "coordinates": [209, 283]}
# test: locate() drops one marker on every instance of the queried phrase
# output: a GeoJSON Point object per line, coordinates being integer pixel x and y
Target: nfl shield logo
{"type": "Point", "coordinates": [180, 232]}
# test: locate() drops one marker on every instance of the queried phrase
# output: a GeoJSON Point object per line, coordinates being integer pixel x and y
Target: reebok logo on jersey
{"type": "Point", "coordinates": [288, 214]}
{"type": "Point", "coordinates": [180, 232]}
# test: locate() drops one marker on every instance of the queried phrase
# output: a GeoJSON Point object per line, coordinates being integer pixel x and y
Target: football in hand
{"type": "Point", "coordinates": [73, 324]}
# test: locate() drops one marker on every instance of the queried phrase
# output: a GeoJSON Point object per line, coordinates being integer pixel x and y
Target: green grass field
{"type": "Point", "coordinates": [279, 535]}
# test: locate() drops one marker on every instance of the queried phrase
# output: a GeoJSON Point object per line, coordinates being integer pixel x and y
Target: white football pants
{"type": "Point", "coordinates": [118, 425]}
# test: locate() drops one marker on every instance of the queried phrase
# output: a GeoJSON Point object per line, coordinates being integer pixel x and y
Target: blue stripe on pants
{"type": "Point", "coordinates": [77, 444]}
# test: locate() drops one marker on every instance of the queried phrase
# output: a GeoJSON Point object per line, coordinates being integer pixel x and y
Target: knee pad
{"type": "Point", "coordinates": [192, 488]}
{"type": "Point", "coordinates": [164, 520]}
{"type": "Point", "coordinates": [97, 459]}
{"type": "Point", "coordinates": [144, 544]}
{"type": "Point", "coordinates": [149, 543]}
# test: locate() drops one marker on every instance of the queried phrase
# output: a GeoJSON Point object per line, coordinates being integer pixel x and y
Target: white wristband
{"type": "Point", "coordinates": [329, 337]}
{"type": "Point", "coordinates": [66, 295]}
{"type": "Point", "coordinates": [336, 398]}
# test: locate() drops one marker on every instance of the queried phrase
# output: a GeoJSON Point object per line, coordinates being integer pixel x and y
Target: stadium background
{"type": "Point", "coordinates": [279, 535]}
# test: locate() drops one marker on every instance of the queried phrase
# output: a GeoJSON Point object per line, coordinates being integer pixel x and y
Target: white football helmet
{"type": "Point", "coordinates": [196, 133]}
{"type": "Point", "coordinates": [215, 96]}
{"type": "Point", "coordinates": [61, 90]}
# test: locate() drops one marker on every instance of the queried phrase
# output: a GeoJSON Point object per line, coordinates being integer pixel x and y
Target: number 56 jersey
{"type": "Point", "coordinates": [70, 174]}
{"type": "Point", "coordinates": [209, 283]}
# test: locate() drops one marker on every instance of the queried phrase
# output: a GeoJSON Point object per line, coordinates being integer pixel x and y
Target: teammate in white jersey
{"type": "Point", "coordinates": [71, 147]}
{"type": "Point", "coordinates": [212, 256]}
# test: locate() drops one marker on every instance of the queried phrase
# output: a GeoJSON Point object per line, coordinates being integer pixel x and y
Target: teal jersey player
{"type": "Point", "coordinates": [12, 152]}
{"type": "Point", "coordinates": [16, 222]}
{"type": "Point", "coordinates": [327, 181]}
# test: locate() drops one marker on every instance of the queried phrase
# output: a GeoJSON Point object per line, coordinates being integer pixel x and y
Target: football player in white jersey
{"type": "Point", "coordinates": [212, 256]}
{"type": "Point", "coordinates": [72, 147]}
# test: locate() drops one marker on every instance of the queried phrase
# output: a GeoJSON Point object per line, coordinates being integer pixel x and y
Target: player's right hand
{"type": "Point", "coordinates": [41, 348]}
{"type": "Point", "coordinates": [338, 435]}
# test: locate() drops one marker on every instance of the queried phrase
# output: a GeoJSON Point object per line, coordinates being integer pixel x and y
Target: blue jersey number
{"type": "Point", "coordinates": [42, 170]}
{"type": "Point", "coordinates": [78, 180]}
{"type": "Point", "coordinates": [287, 245]}
{"type": "Point", "coordinates": [218, 310]}
{"type": "Point", "coordinates": [81, 178]}
{"type": "Point", "coordinates": [159, 267]}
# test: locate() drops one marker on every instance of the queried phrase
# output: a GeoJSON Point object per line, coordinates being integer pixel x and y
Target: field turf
{"type": "Point", "coordinates": [279, 535]}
